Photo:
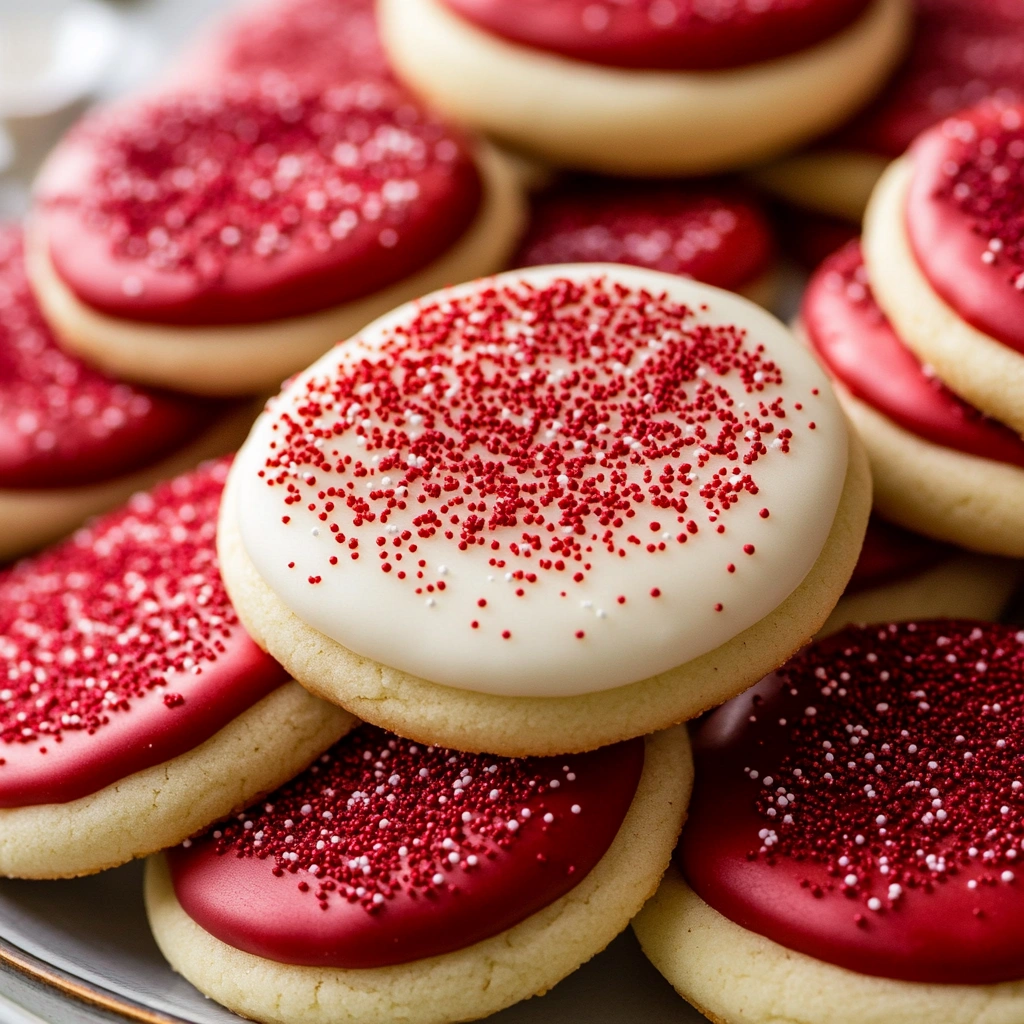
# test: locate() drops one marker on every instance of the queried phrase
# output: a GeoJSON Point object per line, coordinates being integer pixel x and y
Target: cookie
{"type": "Point", "coordinates": [74, 442]}
{"type": "Point", "coordinates": [961, 52]}
{"type": "Point", "coordinates": [940, 467]}
{"type": "Point", "coordinates": [942, 243]}
{"type": "Point", "coordinates": [902, 576]}
{"type": "Point", "coordinates": [135, 710]}
{"type": "Point", "coordinates": [397, 882]}
{"type": "Point", "coordinates": [546, 511]}
{"type": "Point", "coordinates": [852, 850]}
{"type": "Point", "coordinates": [646, 87]}
{"type": "Point", "coordinates": [713, 234]}
{"type": "Point", "coordinates": [218, 241]}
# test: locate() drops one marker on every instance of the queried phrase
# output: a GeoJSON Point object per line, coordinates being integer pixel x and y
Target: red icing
{"type": "Point", "coordinates": [63, 424]}
{"type": "Point", "coordinates": [251, 203]}
{"type": "Point", "coordinates": [891, 554]}
{"type": "Point", "coordinates": [715, 236]}
{"type": "Point", "coordinates": [467, 432]}
{"type": "Point", "coordinates": [908, 737]}
{"type": "Point", "coordinates": [670, 35]}
{"type": "Point", "coordinates": [121, 649]}
{"type": "Point", "coordinates": [418, 851]}
{"type": "Point", "coordinates": [858, 345]}
{"type": "Point", "coordinates": [965, 217]}
{"type": "Point", "coordinates": [963, 51]}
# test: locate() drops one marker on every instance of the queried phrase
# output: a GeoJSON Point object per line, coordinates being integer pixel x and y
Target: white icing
{"type": "Point", "coordinates": [429, 635]}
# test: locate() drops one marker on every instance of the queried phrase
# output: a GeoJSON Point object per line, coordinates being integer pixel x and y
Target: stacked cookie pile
{"type": "Point", "coordinates": [395, 698]}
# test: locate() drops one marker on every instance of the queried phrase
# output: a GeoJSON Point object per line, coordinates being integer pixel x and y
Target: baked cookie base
{"type": "Point", "coordinates": [640, 122]}
{"type": "Point", "coordinates": [525, 960]}
{"type": "Point", "coordinates": [31, 518]}
{"type": "Point", "coordinates": [246, 359]}
{"type": "Point", "coordinates": [983, 371]}
{"type": "Point", "coordinates": [735, 976]}
{"type": "Point", "coordinates": [161, 806]}
{"type": "Point", "coordinates": [519, 726]}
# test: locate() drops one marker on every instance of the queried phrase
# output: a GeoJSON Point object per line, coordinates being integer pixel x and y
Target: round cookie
{"type": "Point", "coordinates": [74, 442]}
{"type": "Point", "coordinates": [902, 576]}
{"type": "Point", "coordinates": [851, 854]}
{"type": "Point", "coordinates": [961, 52]}
{"type": "Point", "coordinates": [713, 234]}
{"type": "Point", "coordinates": [218, 241]}
{"type": "Point", "coordinates": [399, 882]}
{"type": "Point", "coordinates": [940, 467]}
{"type": "Point", "coordinates": [643, 89]}
{"type": "Point", "coordinates": [135, 710]}
{"type": "Point", "coordinates": [546, 511]}
{"type": "Point", "coordinates": [942, 244]}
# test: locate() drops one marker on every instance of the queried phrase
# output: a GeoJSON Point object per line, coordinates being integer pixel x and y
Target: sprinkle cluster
{"type": "Point", "coordinates": [533, 422]}
{"type": "Point", "coordinates": [195, 181]}
{"type": "Point", "coordinates": [103, 618]}
{"type": "Point", "coordinates": [986, 184]}
{"type": "Point", "coordinates": [378, 816]}
{"type": "Point", "coordinates": [903, 769]}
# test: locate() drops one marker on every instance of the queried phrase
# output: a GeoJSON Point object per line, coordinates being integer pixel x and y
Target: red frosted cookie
{"type": "Point", "coordinates": [653, 87]}
{"type": "Point", "coordinates": [857, 819]}
{"type": "Point", "coordinates": [131, 688]}
{"type": "Point", "coordinates": [72, 441]}
{"type": "Point", "coordinates": [713, 235]}
{"type": "Point", "coordinates": [220, 240]}
{"type": "Point", "coordinates": [937, 460]}
{"type": "Point", "coordinates": [390, 877]}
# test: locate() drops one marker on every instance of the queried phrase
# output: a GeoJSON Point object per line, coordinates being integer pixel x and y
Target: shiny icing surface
{"type": "Point", "coordinates": [670, 35]}
{"type": "Point", "coordinates": [891, 554]}
{"type": "Point", "coordinates": [962, 52]}
{"type": "Point", "coordinates": [711, 234]}
{"type": "Point", "coordinates": [120, 647]}
{"type": "Point", "coordinates": [63, 424]}
{"type": "Point", "coordinates": [857, 344]}
{"type": "Point", "coordinates": [965, 216]}
{"type": "Point", "coordinates": [865, 806]}
{"type": "Point", "coordinates": [386, 852]}
{"type": "Point", "coordinates": [252, 202]}
{"type": "Point", "coordinates": [558, 481]}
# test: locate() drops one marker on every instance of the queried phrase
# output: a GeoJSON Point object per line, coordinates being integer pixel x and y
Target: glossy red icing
{"type": "Point", "coordinates": [858, 346]}
{"type": "Point", "coordinates": [250, 203]}
{"type": "Point", "coordinates": [121, 649]}
{"type": "Point", "coordinates": [386, 852]}
{"type": "Point", "coordinates": [63, 424]}
{"type": "Point", "coordinates": [962, 51]}
{"type": "Point", "coordinates": [865, 806]}
{"type": "Point", "coordinates": [714, 235]}
{"type": "Point", "coordinates": [670, 35]}
{"type": "Point", "coordinates": [965, 216]}
{"type": "Point", "coordinates": [891, 554]}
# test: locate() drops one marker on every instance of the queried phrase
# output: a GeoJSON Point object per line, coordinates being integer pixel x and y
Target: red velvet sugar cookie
{"type": "Point", "coordinates": [940, 467]}
{"type": "Point", "coordinates": [395, 881]}
{"type": "Point", "coordinates": [647, 86]}
{"type": "Point", "coordinates": [962, 51]}
{"type": "Point", "coordinates": [712, 234]}
{"type": "Point", "coordinates": [546, 511]}
{"type": "Point", "coordinates": [218, 241]}
{"type": "Point", "coordinates": [135, 710]}
{"type": "Point", "coordinates": [943, 243]}
{"type": "Point", "coordinates": [74, 442]}
{"type": "Point", "coordinates": [852, 851]}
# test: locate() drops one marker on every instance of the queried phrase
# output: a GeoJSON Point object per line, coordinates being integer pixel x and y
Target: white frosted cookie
{"type": "Point", "coordinates": [221, 267]}
{"type": "Point", "coordinates": [134, 709]}
{"type": "Point", "coordinates": [546, 511]}
{"type": "Point", "coordinates": [685, 95]}
{"type": "Point", "coordinates": [396, 882]}
{"type": "Point", "coordinates": [851, 852]}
